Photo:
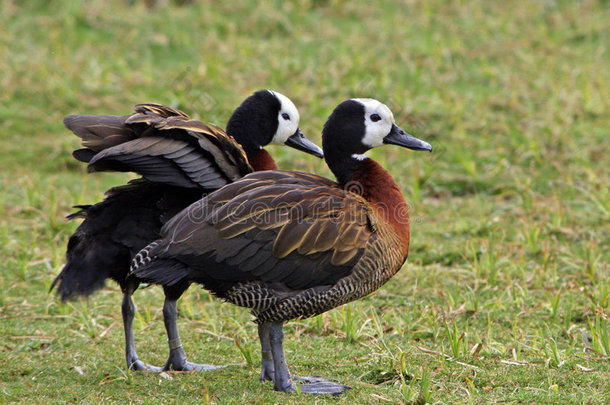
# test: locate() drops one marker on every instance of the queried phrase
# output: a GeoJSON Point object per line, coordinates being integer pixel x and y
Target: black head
{"type": "Point", "coordinates": [268, 117]}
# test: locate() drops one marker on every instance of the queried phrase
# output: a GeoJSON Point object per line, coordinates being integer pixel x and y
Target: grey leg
{"type": "Point", "coordinates": [282, 378]}
{"type": "Point", "coordinates": [128, 312]}
{"type": "Point", "coordinates": [177, 356]}
{"type": "Point", "coordinates": [281, 382]}
{"type": "Point", "coordinates": [267, 369]}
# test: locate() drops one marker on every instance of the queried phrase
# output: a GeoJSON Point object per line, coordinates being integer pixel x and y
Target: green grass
{"type": "Point", "coordinates": [505, 297]}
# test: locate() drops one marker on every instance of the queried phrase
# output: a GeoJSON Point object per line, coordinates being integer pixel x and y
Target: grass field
{"type": "Point", "coordinates": [505, 297]}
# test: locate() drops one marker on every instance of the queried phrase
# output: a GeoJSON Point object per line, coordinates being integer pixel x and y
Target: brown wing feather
{"type": "Point", "coordinates": [296, 239]}
{"type": "Point", "coordinates": [158, 109]}
{"type": "Point", "coordinates": [161, 160]}
{"type": "Point", "coordinates": [99, 132]}
{"type": "Point", "coordinates": [290, 237]}
{"type": "Point", "coordinates": [162, 144]}
{"type": "Point", "coordinates": [228, 154]}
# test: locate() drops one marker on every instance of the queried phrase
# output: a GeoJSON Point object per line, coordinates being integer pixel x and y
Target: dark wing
{"type": "Point", "coordinates": [163, 145]}
{"type": "Point", "coordinates": [292, 229]}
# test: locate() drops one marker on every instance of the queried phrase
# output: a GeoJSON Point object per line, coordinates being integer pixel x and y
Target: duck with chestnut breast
{"type": "Point", "coordinates": [180, 160]}
{"type": "Point", "coordinates": [293, 245]}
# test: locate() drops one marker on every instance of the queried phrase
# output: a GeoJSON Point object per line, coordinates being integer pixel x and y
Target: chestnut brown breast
{"type": "Point", "coordinates": [261, 160]}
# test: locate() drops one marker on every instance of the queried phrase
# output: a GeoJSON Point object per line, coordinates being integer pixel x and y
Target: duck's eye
{"type": "Point", "coordinates": [375, 117]}
{"type": "Point", "coordinates": [285, 116]}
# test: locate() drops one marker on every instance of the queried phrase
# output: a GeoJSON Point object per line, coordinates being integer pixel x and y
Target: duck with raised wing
{"type": "Point", "coordinates": [293, 245]}
{"type": "Point", "coordinates": [180, 160]}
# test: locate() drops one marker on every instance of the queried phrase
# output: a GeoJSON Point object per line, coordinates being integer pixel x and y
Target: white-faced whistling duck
{"type": "Point", "coordinates": [293, 245]}
{"type": "Point", "coordinates": [180, 160]}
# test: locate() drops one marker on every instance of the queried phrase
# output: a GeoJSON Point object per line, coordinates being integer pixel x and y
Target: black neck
{"type": "Point", "coordinates": [338, 140]}
{"type": "Point", "coordinates": [342, 165]}
{"type": "Point", "coordinates": [235, 128]}
{"type": "Point", "coordinates": [249, 148]}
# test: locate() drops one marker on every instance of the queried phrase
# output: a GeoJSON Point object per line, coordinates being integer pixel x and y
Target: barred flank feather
{"type": "Point", "coordinates": [143, 257]}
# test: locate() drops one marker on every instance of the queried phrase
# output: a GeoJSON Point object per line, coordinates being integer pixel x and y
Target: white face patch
{"type": "Point", "coordinates": [288, 119]}
{"type": "Point", "coordinates": [378, 121]}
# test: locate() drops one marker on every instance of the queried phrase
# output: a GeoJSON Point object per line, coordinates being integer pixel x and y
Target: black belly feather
{"type": "Point", "coordinates": [127, 220]}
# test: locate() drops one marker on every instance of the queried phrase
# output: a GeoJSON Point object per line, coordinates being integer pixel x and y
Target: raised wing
{"type": "Point", "coordinates": [163, 145]}
{"type": "Point", "coordinates": [280, 227]}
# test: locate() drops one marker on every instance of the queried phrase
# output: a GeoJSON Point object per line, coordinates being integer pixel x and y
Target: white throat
{"type": "Point", "coordinates": [359, 157]}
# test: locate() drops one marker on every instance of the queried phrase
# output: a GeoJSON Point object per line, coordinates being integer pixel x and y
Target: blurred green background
{"type": "Point", "coordinates": [505, 296]}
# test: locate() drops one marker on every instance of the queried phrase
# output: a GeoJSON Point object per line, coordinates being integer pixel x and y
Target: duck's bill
{"type": "Point", "coordinates": [300, 142]}
{"type": "Point", "coordinates": [398, 136]}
